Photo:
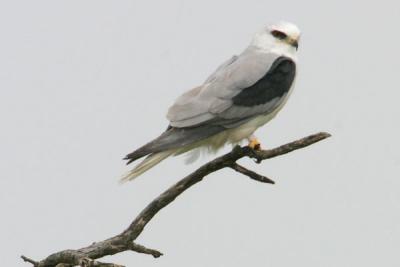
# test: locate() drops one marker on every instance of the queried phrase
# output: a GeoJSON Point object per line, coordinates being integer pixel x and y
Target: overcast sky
{"type": "Point", "coordinates": [82, 83]}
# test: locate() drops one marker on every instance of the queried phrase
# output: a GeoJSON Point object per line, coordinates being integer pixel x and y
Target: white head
{"type": "Point", "coordinates": [281, 38]}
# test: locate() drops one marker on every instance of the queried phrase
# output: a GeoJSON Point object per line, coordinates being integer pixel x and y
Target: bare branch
{"type": "Point", "coordinates": [141, 249]}
{"type": "Point", "coordinates": [64, 265]}
{"type": "Point", "coordinates": [26, 259]}
{"type": "Point", "coordinates": [86, 262]}
{"type": "Point", "coordinates": [86, 256]}
{"type": "Point", "coordinates": [251, 174]}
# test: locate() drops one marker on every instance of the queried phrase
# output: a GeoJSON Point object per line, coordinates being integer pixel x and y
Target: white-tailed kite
{"type": "Point", "coordinates": [243, 94]}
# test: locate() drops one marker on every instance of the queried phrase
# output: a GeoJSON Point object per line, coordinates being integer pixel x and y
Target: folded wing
{"type": "Point", "coordinates": [245, 87]}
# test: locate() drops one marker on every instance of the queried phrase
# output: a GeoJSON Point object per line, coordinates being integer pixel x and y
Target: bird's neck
{"type": "Point", "coordinates": [280, 50]}
{"type": "Point", "coordinates": [266, 44]}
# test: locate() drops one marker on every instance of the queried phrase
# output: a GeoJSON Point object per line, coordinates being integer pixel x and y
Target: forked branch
{"type": "Point", "coordinates": [86, 257]}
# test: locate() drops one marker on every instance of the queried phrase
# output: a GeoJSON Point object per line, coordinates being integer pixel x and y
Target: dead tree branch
{"type": "Point", "coordinates": [86, 257]}
{"type": "Point", "coordinates": [251, 174]}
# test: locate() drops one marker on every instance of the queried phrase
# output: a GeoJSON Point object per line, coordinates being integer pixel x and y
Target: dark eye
{"type": "Point", "coordinates": [278, 34]}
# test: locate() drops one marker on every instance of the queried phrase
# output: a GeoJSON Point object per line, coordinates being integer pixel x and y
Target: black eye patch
{"type": "Point", "coordinates": [278, 34]}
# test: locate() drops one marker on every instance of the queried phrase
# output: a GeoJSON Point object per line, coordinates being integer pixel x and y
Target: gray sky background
{"type": "Point", "coordinates": [82, 83]}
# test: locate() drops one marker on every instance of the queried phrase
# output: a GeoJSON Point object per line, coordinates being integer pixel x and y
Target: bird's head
{"type": "Point", "coordinates": [282, 38]}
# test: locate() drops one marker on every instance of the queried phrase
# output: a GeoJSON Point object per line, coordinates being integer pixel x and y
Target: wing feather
{"type": "Point", "coordinates": [208, 101]}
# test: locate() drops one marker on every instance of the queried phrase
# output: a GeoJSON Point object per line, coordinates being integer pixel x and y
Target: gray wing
{"type": "Point", "coordinates": [262, 97]}
{"type": "Point", "coordinates": [251, 84]}
{"type": "Point", "coordinates": [220, 70]}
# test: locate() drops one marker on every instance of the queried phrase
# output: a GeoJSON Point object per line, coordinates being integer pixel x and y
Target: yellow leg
{"type": "Point", "coordinates": [254, 143]}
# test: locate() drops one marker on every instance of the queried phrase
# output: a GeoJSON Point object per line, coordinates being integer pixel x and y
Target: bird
{"type": "Point", "coordinates": [241, 95]}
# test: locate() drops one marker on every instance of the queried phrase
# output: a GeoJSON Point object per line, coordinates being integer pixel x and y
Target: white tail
{"type": "Point", "coordinates": [145, 165]}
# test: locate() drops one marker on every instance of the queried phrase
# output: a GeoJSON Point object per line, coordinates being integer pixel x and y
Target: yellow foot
{"type": "Point", "coordinates": [254, 144]}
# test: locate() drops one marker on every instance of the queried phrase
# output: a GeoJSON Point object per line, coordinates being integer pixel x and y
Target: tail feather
{"type": "Point", "coordinates": [173, 141]}
{"type": "Point", "coordinates": [174, 138]}
{"type": "Point", "coordinates": [145, 165]}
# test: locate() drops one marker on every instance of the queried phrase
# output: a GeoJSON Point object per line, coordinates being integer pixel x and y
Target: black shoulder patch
{"type": "Point", "coordinates": [275, 83]}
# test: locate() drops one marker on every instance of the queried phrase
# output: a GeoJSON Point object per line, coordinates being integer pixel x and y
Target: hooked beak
{"type": "Point", "coordinates": [293, 42]}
